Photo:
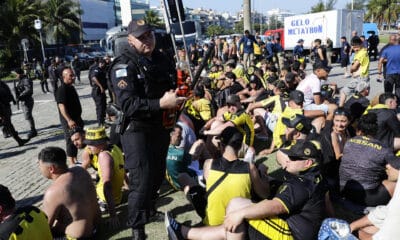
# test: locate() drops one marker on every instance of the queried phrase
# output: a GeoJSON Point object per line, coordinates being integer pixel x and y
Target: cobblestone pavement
{"type": "Point", "coordinates": [18, 167]}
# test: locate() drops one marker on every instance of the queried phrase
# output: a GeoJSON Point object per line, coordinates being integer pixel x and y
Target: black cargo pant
{"type": "Point", "coordinates": [8, 127]}
{"type": "Point", "coordinates": [145, 158]}
{"type": "Point", "coordinates": [392, 81]}
{"type": "Point", "coordinates": [27, 107]}
{"type": "Point", "coordinates": [101, 104]}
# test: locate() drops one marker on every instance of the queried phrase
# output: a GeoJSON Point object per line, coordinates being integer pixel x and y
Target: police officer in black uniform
{"type": "Point", "coordinates": [5, 113]}
{"type": "Point", "coordinates": [25, 92]}
{"type": "Point", "coordinates": [143, 80]}
{"type": "Point", "coordinates": [98, 78]}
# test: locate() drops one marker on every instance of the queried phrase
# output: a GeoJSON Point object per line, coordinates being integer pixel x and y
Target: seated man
{"type": "Point", "coordinates": [362, 168]}
{"type": "Point", "coordinates": [70, 202]}
{"type": "Point", "coordinates": [177, 160]}
{"type": "Point", "coordinates": [383, 221]}
{"type": "Point", "coordinates": [234, 117]}
{"type": "Point", "coordinates": [26, 222]}
{"type": "Point", "coordinates": [388, 123]}
{"type": "Point", "coordinates": [296, 211]}
{"type": "Point", "coordinates": [108, 161]}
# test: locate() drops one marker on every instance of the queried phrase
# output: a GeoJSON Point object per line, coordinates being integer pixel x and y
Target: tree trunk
{"type": "Point", "coordinates": [247, 15]}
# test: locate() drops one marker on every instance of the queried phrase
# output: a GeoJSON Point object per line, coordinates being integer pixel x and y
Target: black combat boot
{"type": "Point", "coordinates": [33, 132]}
{"type": "Point", "coordinates": [138, 234]}
{"type": "Point", "coordinates": [21, 142]}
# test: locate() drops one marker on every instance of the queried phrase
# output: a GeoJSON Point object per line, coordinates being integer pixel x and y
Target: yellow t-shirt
{"type": "Point", "coordinates": [238, 176]}
{"type": "Point", "coordinates": [280, 128]}
{"type": "Point", "coordinates": [118, 176]}
{"type": "Point", "coordinates": [257, 49]}
{"type": "Point", "coordinates": [243, 123]}
{"type": "Point", "coordinates": [33, 224]}
{"type": "Point", "coordinates": [362, 57]}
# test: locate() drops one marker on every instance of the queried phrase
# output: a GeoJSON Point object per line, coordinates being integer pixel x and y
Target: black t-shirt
{"type": "Point", "coordinates": [100, 75]}
{"type": "Point", "coordinates": [235, 88]}
{"type": "Point", "coordinates": [356, 105]}
{"type": "Point", "coordinates": [303, 196]}
{"type": "Point", "coordinates": [388, 125]}
{"type": "Point", "coordinates": [67, 95]}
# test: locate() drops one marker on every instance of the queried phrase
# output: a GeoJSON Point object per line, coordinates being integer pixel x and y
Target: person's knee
{"type": "Point", "coordinates": [237, 203]}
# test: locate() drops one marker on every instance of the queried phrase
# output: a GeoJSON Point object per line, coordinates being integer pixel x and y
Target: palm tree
{"type": "Point", "coordinates": [323, 6]}
{"type": "Point", "coordinates": [16, 17]}
{"type": "Point", "coordinates": [357, 5]}
{"type": "Point", "coordinates": [152, 18]}
{"type": "Point", "coordinates": [382, 11]}
{"type": "Point", "coordinates": [62, 17]}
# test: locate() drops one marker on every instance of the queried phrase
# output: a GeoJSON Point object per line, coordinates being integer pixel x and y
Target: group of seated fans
{"type": "Point", "coordinates": [337, 161]}
{"type": "Point", "coordinates": [334, 160]}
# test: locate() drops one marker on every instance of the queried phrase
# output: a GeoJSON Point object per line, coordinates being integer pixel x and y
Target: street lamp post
{"type": "Point", "coordinates": [38, 26]}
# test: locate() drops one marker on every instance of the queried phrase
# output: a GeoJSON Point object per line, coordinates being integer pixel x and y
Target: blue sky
{"type": "Point", "coordinates": [296, 6]}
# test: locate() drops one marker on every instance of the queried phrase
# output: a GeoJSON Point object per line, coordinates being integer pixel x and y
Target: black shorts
{"type": "Point", "coordinates": [370, 197]}
{"type": "Point", "coordinates": [344, 62]}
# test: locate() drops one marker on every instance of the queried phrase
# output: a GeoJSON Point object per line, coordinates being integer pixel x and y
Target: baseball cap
{"type": "Point", "coordinates": [290, 77]}
{"type": "Point", "coordinates": [320, 65]}
{"type": "Point", "coordinates": [232, 99]}
{"type": "Point", "coordinates": [95, 136]}
{"type": "Point", "coordinates": [138, 26]}
{"type": "Point", "coordinates": [362, 85]}
{"type": "Point", "coordinates": [296, 96]}
{"type": "Point", "coordinates": [300, 40]}
{"type": "Point", "coordinates": [230, 135]}
{"type": "Point", "coordinates": [394, 162]}
{"type": "Point", "coordinates": [298, 122]}
{"type": "Point", "coordinates": [302, 150]}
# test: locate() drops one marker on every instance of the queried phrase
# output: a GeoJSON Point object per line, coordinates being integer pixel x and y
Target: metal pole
{"type": "Point", "coordinates": [168, 27]}
{"type": "Point", "coordinates": [41, 42]}
{"type": "Point", "coordinates": [183, 38]}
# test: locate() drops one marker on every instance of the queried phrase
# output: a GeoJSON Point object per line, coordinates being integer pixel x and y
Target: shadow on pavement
{"type": "Point", "coordinates": [29, 200]}
{"type": "Point", "coordinates": [14, 152]}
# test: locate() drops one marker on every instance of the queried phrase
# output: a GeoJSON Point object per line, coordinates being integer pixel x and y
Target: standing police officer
{"type": "Point", "coordinates": [25, 92]}
{"type": "Point", "coordinates": [143, 80]}
{"type": "Point", "coordinates": [5, 113]}
{"type": "Point", "coordinates": [98, 78]}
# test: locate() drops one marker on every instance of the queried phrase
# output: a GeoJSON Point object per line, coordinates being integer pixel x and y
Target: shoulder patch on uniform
{"type": "Point", "coordinates": [122, 84]}
{"type": "Point", "coordinates": [121, 73]}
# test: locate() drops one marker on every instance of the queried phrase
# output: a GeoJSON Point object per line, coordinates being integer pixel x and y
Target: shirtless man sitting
{"type": "Point", "coordinates": [70, 202]}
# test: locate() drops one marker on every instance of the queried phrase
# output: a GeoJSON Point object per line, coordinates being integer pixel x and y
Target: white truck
{"type": "Point", "coordinates": [329, 24]}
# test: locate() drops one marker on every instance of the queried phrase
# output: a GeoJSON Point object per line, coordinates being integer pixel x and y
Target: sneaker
{"type": "Point", "coordinates": [173, 228]}
{"type": "Point", "coordinates": [102, 206]}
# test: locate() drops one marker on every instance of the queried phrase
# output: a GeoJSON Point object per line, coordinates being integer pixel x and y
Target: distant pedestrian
{"type": "Point", "coordinates": [344, 55]}
{"type": "Point", "coordinates": [98, 78]}
{"type": "Point", "coordinates": [76, 65]}
{"type": "Point", "coordinates": [329, 51]}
